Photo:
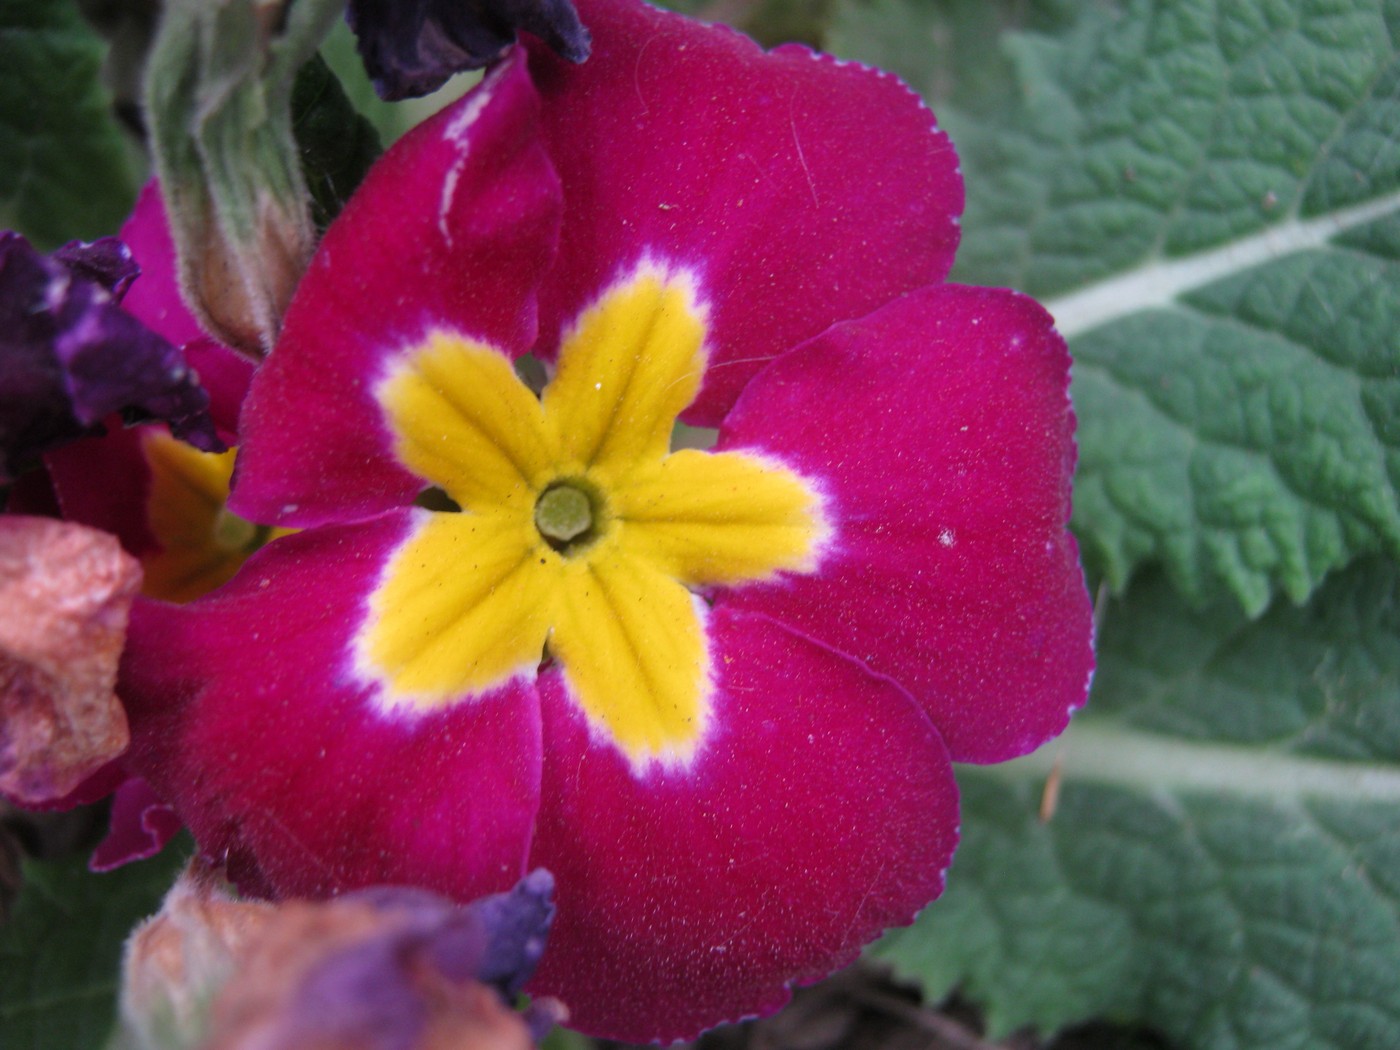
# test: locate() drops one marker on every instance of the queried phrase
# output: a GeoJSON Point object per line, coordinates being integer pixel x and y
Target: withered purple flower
{"type": "Point", "coordinates": [71, 356]}
{"type": "Point", "coordinates": [389, 968]}
{"type": "Point", "coordinates": [411, 47]}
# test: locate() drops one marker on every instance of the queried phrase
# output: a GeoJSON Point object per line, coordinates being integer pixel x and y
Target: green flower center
{"type": "Point", "coordinates": [565, 516]}
{"type": "Point", "coordinates": [235, 534]}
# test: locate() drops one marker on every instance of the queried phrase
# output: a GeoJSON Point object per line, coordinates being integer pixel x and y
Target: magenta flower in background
{"type": "Point", "coordinates": [715, 692]}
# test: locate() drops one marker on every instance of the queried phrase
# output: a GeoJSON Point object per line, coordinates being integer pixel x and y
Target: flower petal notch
{"type": "Point", "coordinates": [716, 691]}
{"type": "Point", "coordinates": [410, 49]}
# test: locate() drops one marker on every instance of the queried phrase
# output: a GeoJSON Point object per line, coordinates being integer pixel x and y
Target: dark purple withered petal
{"type": "Point", "coordinates": [106, 260]}
{"type": "Point", "coordinates": [411, 47]}
{"type": "Point", "coordinates": [69, 355]}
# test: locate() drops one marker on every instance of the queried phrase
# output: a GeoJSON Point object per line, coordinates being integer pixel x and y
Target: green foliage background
{"type": "Point", "coordinates": [65, 169]}
{"type": "Point", "coordinates": [1207, 196]}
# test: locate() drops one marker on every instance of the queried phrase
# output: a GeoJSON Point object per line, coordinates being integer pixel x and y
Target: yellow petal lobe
{"type": "Point", "coordinates": [202, 545]}
{"type": "Point", "coordinates": [632, 363]}
{"type": "Point", "coordinates": [463, 420]}
{"type": "Point", "coordinates": [634, 654]}
{"type": "Point", "coordinates": [461, 608]}
{"type": "Point", "coordinates": [721, 518]}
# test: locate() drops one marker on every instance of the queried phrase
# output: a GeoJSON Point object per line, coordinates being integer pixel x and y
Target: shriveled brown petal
{"type": "Point", "coordinates": [220, 973]}
{"type": "Point", "coordinates": [301, 986]}
{"type": "Point", "coordinates": [65, 592]}
{"type": "Point", "coordinates": [278, 999]}
{"type": "Point", "coordinates": [177, 960]}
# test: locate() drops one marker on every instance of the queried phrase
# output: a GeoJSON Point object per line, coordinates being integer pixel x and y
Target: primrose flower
{"type": "Point", "coordinates": [715, 692]}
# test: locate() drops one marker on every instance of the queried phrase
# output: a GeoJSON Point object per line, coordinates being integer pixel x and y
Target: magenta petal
{"type": "Point", "coordinates": [105, 482]}
{"type": "Point", "coordinates": [451, 229]}
{"type": "Point", "coordinates": [141, 824]}
{"type": "Point", "coordinates": [247, 715]}
{"type": "Point", "coordinates": [944, 443]}
{"type": "Point", "coordinates": [821, 810]}
{"type": "Point", "coordinates": [155, 297]}
{"type": "Point", "coordinates": [800, 191]}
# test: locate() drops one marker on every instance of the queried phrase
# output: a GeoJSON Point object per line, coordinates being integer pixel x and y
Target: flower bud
{"type": "Point", "coordinates": [218, 91]}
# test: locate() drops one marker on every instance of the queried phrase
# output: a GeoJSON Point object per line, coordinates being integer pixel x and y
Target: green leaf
{"type": "Point", "coordinates": [770, 22]}
{"type": "Point", "coordinates": [1248, 438]}
{"type": "Point", "coordinates": [64, 169]}
{"type": "Point", "coordinates": [1206, 197]}
{"type": "Point", "coordinates": [60, 952]}
{"type": "Point", "coordinates": [949, 51]}
{"type": "Point", "coordinates": [337, 144]}
{"type": "Point", "coordinates": [1223, 862]}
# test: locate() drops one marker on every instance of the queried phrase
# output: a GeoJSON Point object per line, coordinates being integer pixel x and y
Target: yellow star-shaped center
{"type": "Point", "coordinates": [581, 534]}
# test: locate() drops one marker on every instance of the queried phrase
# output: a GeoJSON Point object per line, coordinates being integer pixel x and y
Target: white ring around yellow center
{"type": "Point", "coordinates": [472, 599]}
